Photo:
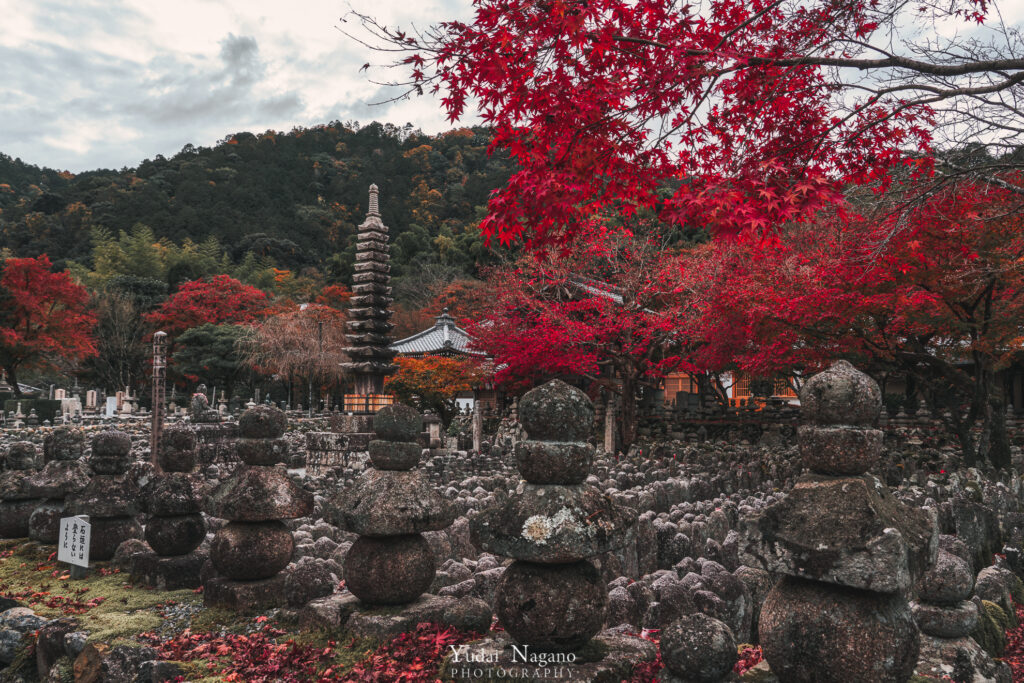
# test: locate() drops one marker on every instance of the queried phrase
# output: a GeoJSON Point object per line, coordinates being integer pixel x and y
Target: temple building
{"type": "Point", "coordinates": [448, 340]}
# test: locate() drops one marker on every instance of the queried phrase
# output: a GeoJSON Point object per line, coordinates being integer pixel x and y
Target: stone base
{"type": "Point", "coordinates": [245, 596]}
{"type": "Point", "coordinates": [942, 657]}
{"type": "Point", "coordinates": [343, 611]}
{"type": "Point", "coordinates": [608, 658]}
{"type": "Point", "coordinates": [167, 573]}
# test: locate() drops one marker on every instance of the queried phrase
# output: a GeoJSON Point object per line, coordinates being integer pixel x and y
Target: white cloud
{"type": "Point", "coordinates": [106, 83]}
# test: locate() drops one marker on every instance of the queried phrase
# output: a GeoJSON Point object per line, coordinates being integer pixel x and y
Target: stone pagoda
{"type": "Point", "coordinates": [64, 474]}
{"type": "Point", "coordinates": [369, 324]}
{"type": "Point", "coordinates": [17, 501]}
{"type": "Point", "coordinates": [847, 550]}
{"type": "Point", "coordinates": [552, 598]}
{"type": "Point", "coordinates": [175, 527]}
{"type": "Point", "coordinates": [390, 507]}
{"type": "Point", "coordinates": [250, 551]}
{"type": "Point", "coordinates": [111, 498]}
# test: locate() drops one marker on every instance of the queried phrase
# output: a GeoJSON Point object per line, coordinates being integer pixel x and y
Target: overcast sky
{"type": "Point", "coordinates": [107, 83]}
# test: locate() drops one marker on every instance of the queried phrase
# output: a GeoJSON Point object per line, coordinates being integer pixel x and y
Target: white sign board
{"type": "Point", "coordinates": [111, 410]}
{"type": "Point", "coordinates": [74, 541]}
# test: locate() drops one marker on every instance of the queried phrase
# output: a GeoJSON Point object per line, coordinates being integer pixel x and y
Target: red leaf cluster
{"type": "Point", "coordinates": [43, 315]}
{"type": "Point", "coordinates": [220, 299]}
{"type": "Point", "coordinates": [410, 657]}
{"type": "Point", "coordinates": [1014, 653]}
{"type": "Point", "coordinates": [605, 103]}
{"type": "Point", "coordinates": [255, 658]}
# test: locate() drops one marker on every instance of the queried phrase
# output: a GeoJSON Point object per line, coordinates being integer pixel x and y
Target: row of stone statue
{"type": "Point", "coordinates": [847, 550]}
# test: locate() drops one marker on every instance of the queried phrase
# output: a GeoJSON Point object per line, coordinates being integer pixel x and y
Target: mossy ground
{"type": "Point", "coordinates": [27, 572]}
{"type": "Point", "coordinates": [125, 611]}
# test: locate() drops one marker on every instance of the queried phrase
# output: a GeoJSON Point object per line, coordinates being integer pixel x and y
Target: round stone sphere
{"type": "Point", "coordinates": [262, 422]}
{"type": "Point", "coordinates": [551, 607]}
{"type": "Point", "coordinates": [177, 449]}
{"type": "Point", "coordinates": [64, 443]}
{"type": "Point", "coordinates": [946, 582]}
{"type": "Point", "coordinates": [265, 452]}
{"type": "Point", "coordinates": [247, 551]}
{"type": "Point", "coordinates": [548, 462]}
{"type": "Point", "coordinates": [109, 464]}
{"type": "Point", "coordinates": [841, 395]}
{"type": "Point", "coordinates": [398, 422]}
{"type": "Point", "coordinates": [21, 455]}
{"type": "Point", "coordinates": [946, 621]}
{"type": "Point", "coordinates": [812, 632]}
{"type": "Point", "coordinates": [112, 443]}
{"type": "Point", "coordinates": [698, 648]}
{"type": "Point", "coordinates": [391, 570]}
{"type": "Point", "coordinates": [178, 535]}
{"type": "Point", "coordinates": [395, 455]}
{"type": "Point", "coordinates": [556, 411]}
{"type": "Point", "coordinates": [44, 523]}
{"type": "Point", "coordinates": [15, 516]}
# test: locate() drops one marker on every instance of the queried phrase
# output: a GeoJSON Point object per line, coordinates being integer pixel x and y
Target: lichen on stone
{"type": "Point", "coordinates": [539, 528]}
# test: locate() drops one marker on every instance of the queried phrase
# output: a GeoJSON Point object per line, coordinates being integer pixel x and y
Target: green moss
{"type": "Point", "coordinates": [63, 670]}
{"type": "Point", "coordinates": [989, 634]}
{"type": "Point", "coordinates": [125, 611]}
{"type": "Point", "coordinates": [998, 614]}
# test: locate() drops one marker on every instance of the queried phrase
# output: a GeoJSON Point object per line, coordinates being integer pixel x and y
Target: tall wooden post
{"type": "Point", "coordinates": [159, 393]}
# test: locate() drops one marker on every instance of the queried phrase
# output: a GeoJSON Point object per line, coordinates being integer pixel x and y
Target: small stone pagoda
{"type": "Point", "coordinates": [250, 551]}
{"type": "Point", "coordinates": [552, 597]}
{"type": "Point", "coordinates": [110, 499]}
{"type": "Point", "coordinates": [64, 474]}
{"type": "Point", "coordinates": [175, 527]}
{"type": "Point", "coordinates": [369, 324]}
{"type": "Point", "coordinates": [847, 550]}
{"type": "Point", "coordinates": [390, 507]}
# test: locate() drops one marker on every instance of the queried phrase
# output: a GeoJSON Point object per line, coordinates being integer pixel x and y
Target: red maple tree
{"type": "Point", "coordinates": [597, 312]}
{"type": "Point", "coordinates": [731, 115]}
{"type": "Point", "coordinates": [44, 316]}
{"type": "Point", "coordinates": [219, 299]}
{"type": "Point", "coordinates": [935, 294]}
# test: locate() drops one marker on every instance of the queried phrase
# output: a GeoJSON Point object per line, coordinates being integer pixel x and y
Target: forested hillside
{"type": "Point", "coordinates": [274, 209]}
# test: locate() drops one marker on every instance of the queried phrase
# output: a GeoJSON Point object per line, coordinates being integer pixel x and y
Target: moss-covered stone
{"type": "Point", "coordinates": [990, 633]}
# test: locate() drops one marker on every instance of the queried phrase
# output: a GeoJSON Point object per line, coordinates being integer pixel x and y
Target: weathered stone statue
{"type": "Point", "coordinates": [390, 507]}
{"type": "Point", "coordinates": [847, 549]}
{"type": "Point", "coordinates": [254, 546]}
{"type": "Point", "coordinates": [64, 474]}
{"type": "Point", "coordinates": [110, 499]}
{"type": "Point", "coordinates": [175, 527]}
{"type": "Point", "coordinates": [553, 597]}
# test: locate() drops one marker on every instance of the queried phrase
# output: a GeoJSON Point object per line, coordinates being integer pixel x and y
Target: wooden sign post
{"type": "Point", "coordinates": [75, 535]}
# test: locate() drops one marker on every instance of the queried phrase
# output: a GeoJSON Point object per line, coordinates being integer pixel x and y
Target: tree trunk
{"type": "Point", "coordinates": [999, 441]}
{"type": "Point", "coordinates": [12, 378]}
{"type": "Point", "coordinates": [627, 416]}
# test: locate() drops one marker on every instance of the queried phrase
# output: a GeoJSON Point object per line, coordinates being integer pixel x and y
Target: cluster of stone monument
{"type": "Point", "coordinates": [836, 577]}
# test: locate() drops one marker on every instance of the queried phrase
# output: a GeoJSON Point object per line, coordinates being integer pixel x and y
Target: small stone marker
{"type": "Point", "coordinates": [75, 535]}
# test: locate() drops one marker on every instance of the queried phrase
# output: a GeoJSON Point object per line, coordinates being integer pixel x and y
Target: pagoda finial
{"type": "Point", "coordinates": [374, 210]}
